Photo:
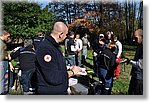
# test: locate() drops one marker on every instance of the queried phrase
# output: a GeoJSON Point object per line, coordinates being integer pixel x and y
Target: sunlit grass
{"type": "Point", "coordinates": [120, 86]}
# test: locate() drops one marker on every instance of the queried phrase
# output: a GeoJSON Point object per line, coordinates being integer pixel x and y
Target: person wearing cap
{"type": "Point", "coordinates": [101, 36]}
{"type": "Point", "coordinates": [97, 47]}
{"type": "Point", "coordinates": [26, 57]}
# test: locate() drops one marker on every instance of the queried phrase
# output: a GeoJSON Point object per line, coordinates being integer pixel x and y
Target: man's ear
{"type": "Point", "coordinates": [60, 35]}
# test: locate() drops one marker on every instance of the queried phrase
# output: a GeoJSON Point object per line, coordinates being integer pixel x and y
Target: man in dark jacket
{"type": "Point", "coordinates": [70, 50]}
{"type": "Point", "coordinates": [136, 82]}
{"type": "Point", "coordinates": [52, 72]}
{"type": "Point", "coordinates": [26, 56]}
{"type": "Point", "coordinates": [106, 67]}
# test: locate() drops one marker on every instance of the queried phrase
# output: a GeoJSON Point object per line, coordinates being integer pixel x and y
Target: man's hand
{"type": "Point", "coordinates": [11, 67]}
{"type": "Point", "coordinates": [126, 60]}
{"type": "Point", "coordinates": [78, 50]}
{"type": "Point", "coordinates": [117, 60]}
{"type": "Point", "coordinates": [76, 69]}
{"type": "Point", "coordinates": [94, 54]}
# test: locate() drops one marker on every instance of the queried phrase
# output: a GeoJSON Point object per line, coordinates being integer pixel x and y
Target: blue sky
{"type": "Point", "coordinates": [43, 3]}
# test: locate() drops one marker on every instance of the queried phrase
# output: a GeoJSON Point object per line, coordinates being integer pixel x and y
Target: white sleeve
{"type": "Point", "coordinates": [88, 43]}
{"type": "Point", "coordinates": [137, 64]}
{"type": "Point", "coordinates": [81, 45]}
{"type": "Point", "coordinates": [118, 43]}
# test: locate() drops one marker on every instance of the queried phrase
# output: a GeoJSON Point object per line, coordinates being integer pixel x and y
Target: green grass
{"type": "Point", "coordinates": [120, 86]}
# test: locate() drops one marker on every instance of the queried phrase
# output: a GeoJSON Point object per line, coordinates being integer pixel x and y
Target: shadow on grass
{"type": "Point", "coordinates": [89, 59]}
{"type": "Point", "coordinates": [129, 48]}
{"type": "Point", "coordinates": [88, 65]}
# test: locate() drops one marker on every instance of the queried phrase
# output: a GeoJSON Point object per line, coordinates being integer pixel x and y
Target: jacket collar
{"type": "Point", "coordinates": [52, 40]}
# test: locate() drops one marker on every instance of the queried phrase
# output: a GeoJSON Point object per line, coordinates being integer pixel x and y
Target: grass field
{"type": "Point", "coordinates": [120, 86]}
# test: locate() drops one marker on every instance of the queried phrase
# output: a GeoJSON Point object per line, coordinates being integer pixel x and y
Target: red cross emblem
{"type": "Point", "coordinates": [47, 58]}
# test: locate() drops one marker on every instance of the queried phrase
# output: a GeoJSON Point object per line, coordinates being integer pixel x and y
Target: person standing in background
{"type": "Point", "coordinates": [86, 44]}
{"type": "Point", "coordinates": [5, 63]}
{"type": "Point", "coordinates": [136, 82]}
{"type": "Point", "coordinates": [70, 50]}
{"type": "Point", "coordinates": [26, 57]}
{"type": "Point", "coordinates": [79, 46]}
{"type": "Point", "coordinates": [118, 53]}
{"type": "Point", "coordinates": [106, 67]}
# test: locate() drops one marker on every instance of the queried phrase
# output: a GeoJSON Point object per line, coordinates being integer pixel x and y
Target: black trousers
{"type": "Point", "coordinates": [135, 87]}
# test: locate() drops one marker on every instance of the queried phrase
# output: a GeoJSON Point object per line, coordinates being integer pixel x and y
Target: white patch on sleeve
{"type": "Point", "coordinates": [47, 58]}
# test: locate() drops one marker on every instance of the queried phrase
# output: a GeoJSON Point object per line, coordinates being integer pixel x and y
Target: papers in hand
{"type": "Point", "coordinates": [72, 81]}
{"type": "Point", "coordinates": [82, 72]}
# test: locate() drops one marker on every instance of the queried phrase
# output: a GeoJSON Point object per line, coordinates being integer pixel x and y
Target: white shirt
{"type": "Point", "coordinates": [78, 44]}
{"type": "Point", "coordinates": [119, 48]}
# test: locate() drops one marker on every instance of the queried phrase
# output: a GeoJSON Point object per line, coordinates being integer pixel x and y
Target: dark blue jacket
{"type": "Point", "coordinates": [37, 41]}
{"type": "Point", "coordinates": [26, 56]}
{"type": "Point", "coordinates": [107, 59]}
{"type": "Point", "coordinates": [51, 68]}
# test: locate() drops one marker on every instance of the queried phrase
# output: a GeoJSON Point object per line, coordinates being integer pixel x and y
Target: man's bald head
{"type": "Point", "coordinates": [138, 36]}
{"type": "Point", "coordinates": [59, 27]}
{"type": "Point", "coordinates": [59, 32]}
{"type": "Point", "coordinates": [139, 32]}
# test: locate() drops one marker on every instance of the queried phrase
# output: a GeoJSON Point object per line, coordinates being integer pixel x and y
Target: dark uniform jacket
{"type": "Point", "coordinates": [69, 44]}
{"type": "Point", "coordinates": [107, 59]}
{"type": "Point", "coordinates": [37, 41]}
{"type": "Point", "coordinates": [138, 72]}
{"type": "Point", "coordinates": [51, 72]}
{"type": "Point", "coordinates": [26, 57]}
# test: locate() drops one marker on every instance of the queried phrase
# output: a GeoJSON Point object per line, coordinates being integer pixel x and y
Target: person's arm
{"type": "Point", "coordinates": [11, 67]}
{"type": "Point", "coordinates": [119, 48]}
{"type": "Point", "coordinates": [73, 71]}
{"type": "Point", "coordinates": [80, 44]}
{"type": "Point", "coordinates": [48, 66]}
{"type": "Point", "coordinates": [15, 53]}
{"type": "Point", "coordinates": [89, 44]}
{"type": "Point", "coordinates": [137, 64]}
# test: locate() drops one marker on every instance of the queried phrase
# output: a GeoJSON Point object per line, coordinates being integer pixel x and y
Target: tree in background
{"type": "Point", "coordinates": [101, 16]}
{"type": "Point", "coordinates": [23, 20]}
